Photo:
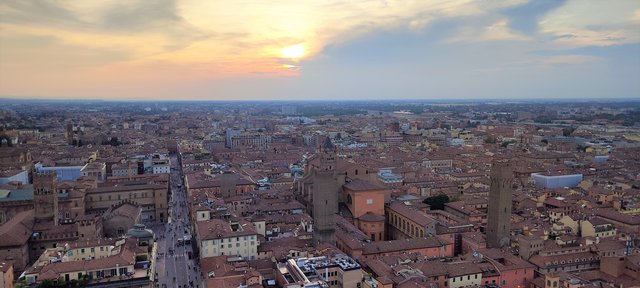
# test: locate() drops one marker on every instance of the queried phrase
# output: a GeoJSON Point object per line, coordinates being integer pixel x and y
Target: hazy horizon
{"type": "Point", "coordinates": [317, 50]}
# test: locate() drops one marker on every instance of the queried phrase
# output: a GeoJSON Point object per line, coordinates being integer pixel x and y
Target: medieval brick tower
{"type": "Point", "coordinates": [325, 195]}
{"type": "Point", "coordinates": [499, 214]}
{"type": "Point", "coordinates": [45, 197]}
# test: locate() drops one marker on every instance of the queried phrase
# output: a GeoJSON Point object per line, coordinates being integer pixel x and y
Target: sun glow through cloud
{"type": "Point", "coordinates": [293, 52]}
{"type": "Point", "coordinates": [211, 49]}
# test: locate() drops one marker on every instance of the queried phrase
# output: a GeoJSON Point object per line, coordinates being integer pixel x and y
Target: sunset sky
{"type": "Point", "coordinates": [319, 49]}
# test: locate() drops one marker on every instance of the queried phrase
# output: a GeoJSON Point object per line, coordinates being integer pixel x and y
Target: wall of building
{"type": "Point", "coordinates": [7, 277]}
{"type": "Point", "coordinates": [375, 230]}
{"type": "Point", "coordinates": [472, 280]}
{"type": "Point", "coordinates": [20, 256]}
{"type": "Point", "coordinates": [153, 201]}
{"type": "Point", "coordinates": [245, 246]}
{"type": "Point", "coordinates": [91, 252]}
{"type": "Point", "coordinates": [559, 181]}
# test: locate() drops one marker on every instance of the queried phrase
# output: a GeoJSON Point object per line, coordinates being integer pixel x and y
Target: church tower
{"type": "Point", "coordinates": [500, 195]}
{"type": "Point", "coordinates": [325, 194]}
{"type": "Point", "coordinates": [45, 197]}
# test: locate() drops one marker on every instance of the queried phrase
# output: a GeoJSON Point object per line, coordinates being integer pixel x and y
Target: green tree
{"type": "Point", "coordinates": [490, 140]}
{"type": "Point", "coordinates": [437, 202]}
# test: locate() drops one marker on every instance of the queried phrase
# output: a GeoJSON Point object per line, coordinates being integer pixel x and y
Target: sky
{"type": "Point", "coordinates": [319, 49]}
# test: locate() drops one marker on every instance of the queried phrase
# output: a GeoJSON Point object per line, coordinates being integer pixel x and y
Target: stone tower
{"type": "Point", "coordinates": [499, 214]}
{"type": "Point", "coordinates": [325, 194]}
{"type": "Point", "coordinates": [45, 197]}
{"type": "Point", "coordinates": [228, 182]}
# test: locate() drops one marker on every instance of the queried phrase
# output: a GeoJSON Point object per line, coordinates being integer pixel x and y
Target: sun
{"type": "Point", "coordinates": [292, 52]}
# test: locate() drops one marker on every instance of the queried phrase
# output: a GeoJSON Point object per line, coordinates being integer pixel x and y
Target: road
{"type": "Point", "coordinates": [174, 268]}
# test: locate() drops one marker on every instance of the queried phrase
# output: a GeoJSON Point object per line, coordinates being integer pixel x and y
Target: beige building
{"type": "Point", "coordinates": [97, 170]}
{"type": "Point", "coordinates": [6, 275]}
{"type": "Point", "coordinates": [125, 262]}
{"type": "Point", "coordinates": [151, 196]}
{"type": "Point", "coordinates": [464, 275]}
{"type": "Point", "coordinates": [218, 237]}
{"type": "Point", "coordinates": [597, 227]}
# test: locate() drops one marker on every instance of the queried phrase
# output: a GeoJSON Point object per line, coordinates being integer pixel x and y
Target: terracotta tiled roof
{"type": "Point", "coordinates": [362, 185]}
{"type": "Point", "coordinates": [402, 245]}
{"type": "Point", "coordinates": [410, 212]}
{"type": "Point", "coordinates": [17, 230]}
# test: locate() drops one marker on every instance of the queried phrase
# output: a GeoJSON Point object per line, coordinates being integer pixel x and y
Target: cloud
{"type": "Point", "coordinates": [592, 23]}
{"type": "Point", "coordinates": [497, 31]}
{"type": "Point", "coordinates": [179, 42]}
{"type": "Point", "coordinates": [569, 59]}
{"type": "Point", "coordinates": [220, 32]}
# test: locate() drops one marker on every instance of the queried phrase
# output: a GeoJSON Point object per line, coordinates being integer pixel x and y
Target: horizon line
{"type": "Point", "coordinates": [460, 99]}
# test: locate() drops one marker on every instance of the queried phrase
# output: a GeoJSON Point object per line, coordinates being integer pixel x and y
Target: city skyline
{"type": "Point", "coordinates": [189, 50]}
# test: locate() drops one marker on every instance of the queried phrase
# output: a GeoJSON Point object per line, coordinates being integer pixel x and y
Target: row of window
{"type": "Point", "coordinates": [100, 273]}
{"type": "Point", "coordinates": [131, 196]}
{"type": "Point", "coordinates": [93, 249]}
{"type": "Point", "coordinates": [461, 278]}
{"type": "Point", "coordinates": [406, 226]}
{"type": "Point", "coordinates": [252, 243]}
{"type": "Point", "coordinates": [244, 238]}
{"type": "Point", "coordinates": [330, 274]}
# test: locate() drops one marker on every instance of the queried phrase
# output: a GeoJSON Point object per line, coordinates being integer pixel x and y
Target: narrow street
{"type": "Point", "coordinates": [174, 268]}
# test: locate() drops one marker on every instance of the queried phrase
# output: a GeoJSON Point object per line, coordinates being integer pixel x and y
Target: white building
{"type": "Point", "coordinates": [161, 168]}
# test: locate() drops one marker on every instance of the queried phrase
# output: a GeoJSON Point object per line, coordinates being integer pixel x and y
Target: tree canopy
{"type": "Point", "coordinates": [437, 202]}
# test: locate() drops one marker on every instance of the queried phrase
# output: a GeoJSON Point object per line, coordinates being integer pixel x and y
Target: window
{"type": "Point", "coordinates": [93, 250]}
{"type": "Point", "coordinates": [369, 201]}
{"type": "Point", "coordinates": [82, 250]}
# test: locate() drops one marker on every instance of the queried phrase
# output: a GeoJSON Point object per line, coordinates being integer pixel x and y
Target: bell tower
{"type": "Point", "coordinates": [45, 197]}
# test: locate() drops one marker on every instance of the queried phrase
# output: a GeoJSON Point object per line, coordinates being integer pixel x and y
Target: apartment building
{"type": "Point", "coordinates": [218, 237]}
